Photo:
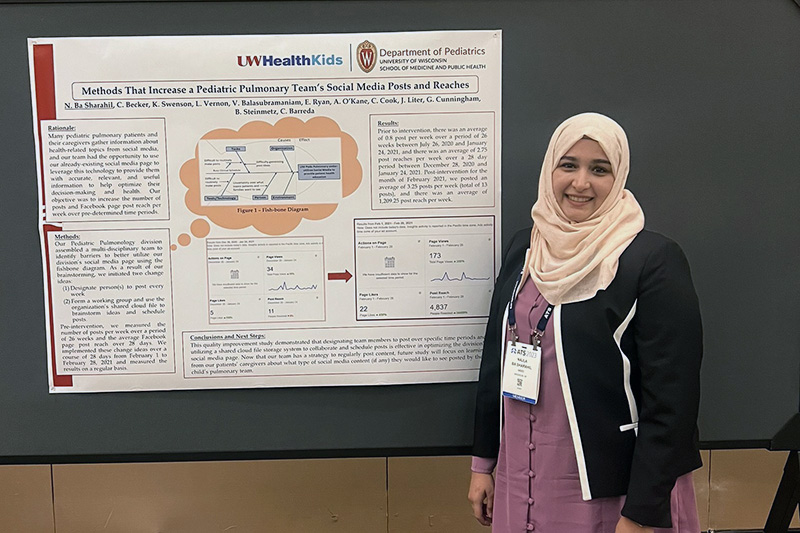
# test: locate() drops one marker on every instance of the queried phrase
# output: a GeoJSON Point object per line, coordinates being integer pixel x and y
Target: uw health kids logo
{"type": "Point", "coordinates": [367, 55]}
{"type": "Point", "coordinates": [293, 60]}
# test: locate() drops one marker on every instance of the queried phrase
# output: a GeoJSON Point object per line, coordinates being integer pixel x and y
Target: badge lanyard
{"type": "Point", "coordinates": [522, 371]}
{"type": "Point", "coordinates": [538, 333]}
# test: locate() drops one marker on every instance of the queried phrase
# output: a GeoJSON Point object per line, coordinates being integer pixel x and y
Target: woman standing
{"type": "Point", "coordinates": [591, 359]}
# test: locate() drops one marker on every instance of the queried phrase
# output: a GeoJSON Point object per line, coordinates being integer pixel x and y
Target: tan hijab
{"type": "Point", "coordinates": [571, 261]}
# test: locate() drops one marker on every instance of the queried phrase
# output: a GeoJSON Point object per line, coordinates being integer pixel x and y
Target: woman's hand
{"type": "Point", "coordinates": [626, 525]}
{"type": "Point", "coordinates": [481, 496]}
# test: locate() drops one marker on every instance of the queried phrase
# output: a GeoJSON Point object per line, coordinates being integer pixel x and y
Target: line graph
{"type": "Point", "coordinates": [284, 287]}
{"type": "Point", "coordinates": [462, 277]}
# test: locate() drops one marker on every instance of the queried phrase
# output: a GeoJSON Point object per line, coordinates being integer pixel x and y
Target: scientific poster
{"type": "Point", "coordinates": [267, 211]}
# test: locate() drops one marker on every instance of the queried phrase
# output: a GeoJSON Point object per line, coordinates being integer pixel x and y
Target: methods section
{"type": "Point", "coordinates": [111, 301]}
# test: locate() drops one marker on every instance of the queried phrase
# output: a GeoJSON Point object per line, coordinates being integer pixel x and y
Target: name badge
{"type": "Point", "coordinates": [521, 372]}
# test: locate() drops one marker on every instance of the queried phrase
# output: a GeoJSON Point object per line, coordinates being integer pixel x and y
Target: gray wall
{"type": "Point", "coordinates": [707, 91]}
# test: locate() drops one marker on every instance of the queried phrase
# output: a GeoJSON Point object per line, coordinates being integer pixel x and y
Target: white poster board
{"type": "Point", "coordinates": [267, 211]}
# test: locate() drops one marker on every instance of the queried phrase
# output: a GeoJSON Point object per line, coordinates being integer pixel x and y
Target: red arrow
{"type": "Point", "coordinates": [340, 275]}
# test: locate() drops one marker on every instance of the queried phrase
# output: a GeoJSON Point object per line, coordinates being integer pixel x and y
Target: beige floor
{"type": "Point", "coordinates": [394, 495]}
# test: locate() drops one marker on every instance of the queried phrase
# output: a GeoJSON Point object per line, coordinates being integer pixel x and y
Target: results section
{"type": "Point", "coordinates": [433, 159]}
{"type": "Point", "coordinates": [413, 268]}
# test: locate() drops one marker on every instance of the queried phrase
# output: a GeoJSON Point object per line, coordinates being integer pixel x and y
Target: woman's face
{"type": "Point", "coordinates": [582, 179]}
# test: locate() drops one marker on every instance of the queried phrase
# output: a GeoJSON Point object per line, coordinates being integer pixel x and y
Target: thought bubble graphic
{"type": "Point", "coordinates": [269, 176]}
{"type": "Point", "coordinates": [200, 228]}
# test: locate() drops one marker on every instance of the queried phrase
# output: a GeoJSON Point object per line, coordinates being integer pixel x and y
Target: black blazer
{"type": "Point", "coordinates": [631, 355]}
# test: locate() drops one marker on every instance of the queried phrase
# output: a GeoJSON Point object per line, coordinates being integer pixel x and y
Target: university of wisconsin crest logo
{"type": "Point", "coordinates": [367, 54]}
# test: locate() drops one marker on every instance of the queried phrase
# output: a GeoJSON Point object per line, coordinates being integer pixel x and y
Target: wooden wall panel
{"type": "Point", "coordinates": [420, 494]}
{"type": "Point", "coordinates": [429, 494]}
{"type": "Point", "coordinates": [336, 495]}
{"type": "Point", "coordinates": [700, 477]}
{"type": "Point", "coordinates": [743, 485]}
{"type": "Point", "coordinates": [26, 499]}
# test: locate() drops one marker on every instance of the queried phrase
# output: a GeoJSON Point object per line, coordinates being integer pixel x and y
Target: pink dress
{"type": "Point", "coordinates": [536, 482]}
